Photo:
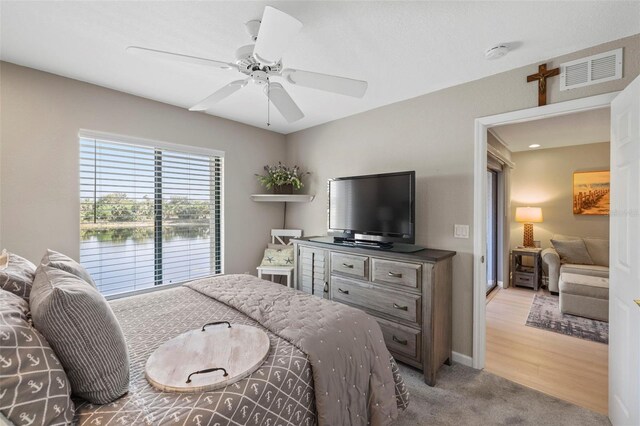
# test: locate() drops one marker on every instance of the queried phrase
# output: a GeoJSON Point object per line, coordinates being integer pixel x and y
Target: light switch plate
{"type": "Point", "coordinates": [461, 231]}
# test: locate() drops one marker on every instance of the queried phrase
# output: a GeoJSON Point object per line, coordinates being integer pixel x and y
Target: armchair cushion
{"type": "Point", "coordinates": [572, 251]}
{"type": "Point", "coordinates": [590, 270]}
{"type": "Point", "coordinates": [598, 249]}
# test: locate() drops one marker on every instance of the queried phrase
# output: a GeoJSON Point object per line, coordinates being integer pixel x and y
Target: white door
{"type": "Point", "coordinates": [624, 287]}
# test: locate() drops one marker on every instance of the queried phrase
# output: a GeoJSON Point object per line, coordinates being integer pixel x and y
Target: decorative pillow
{"type": "Point", "coordinates": [572, 251]}
{"type": "Point", "coordinates": [598, 249]}
{"type": "Point", "coordinates": [278, 257]}
{"type": "Point", "coordinates": [17, 275]}
{"type": "Point", "coordinates": [4, 259]}
{"type": "Point", "coordinates": [85, 334]}
{"type": "Point", "coordinates": [64, 262]}
{"type": "Point", "coordinates": [34, 388]}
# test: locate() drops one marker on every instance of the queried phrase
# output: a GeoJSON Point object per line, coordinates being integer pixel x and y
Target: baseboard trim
{"type": "Point", "coordinates": [462, 359]}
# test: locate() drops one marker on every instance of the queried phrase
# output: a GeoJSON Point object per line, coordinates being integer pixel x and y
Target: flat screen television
{"type": "Point", "coordinates": [379, 209]}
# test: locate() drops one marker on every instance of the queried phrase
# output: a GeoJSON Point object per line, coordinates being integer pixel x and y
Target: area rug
{"type": "Point", "coordinates": [463, 396]}
{"type": "Point", "coordinates": [545, 314]}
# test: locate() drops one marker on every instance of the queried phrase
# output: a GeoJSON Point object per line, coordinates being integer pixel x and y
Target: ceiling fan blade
{"type": "Point", "coordinates": [277, 29]}
{"type": "Point", "coordinates": [283, 102]}
{"type": "Point", "coordinates": [326, 82]}
{"type": "Point", "coordinates": [161, 54]}
{"type": "Point", "coordinates": [219, 95]}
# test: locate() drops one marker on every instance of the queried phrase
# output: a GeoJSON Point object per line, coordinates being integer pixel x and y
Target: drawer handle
{"type": "Point", "coordinates": [395, 275]}
{"type": "Point", "coordinates": [326, 287]}
{"type": "Point", "coordinates": [343, 291]}
{"type": "Point", "coordinates": [402, 308]}
{"type": "Point", "coordinates": [347, 265]}
{"type": "Point", "coordinates": [401, 341]}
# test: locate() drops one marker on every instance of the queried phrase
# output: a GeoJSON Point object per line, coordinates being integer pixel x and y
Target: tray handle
{"type": "Point", "coordinates": [215, 323]}
{"type": "Point", "coordinates": [208, 370]}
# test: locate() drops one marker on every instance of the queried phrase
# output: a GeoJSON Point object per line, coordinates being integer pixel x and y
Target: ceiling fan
{"type": "Point", "coordinates": [262, 61]}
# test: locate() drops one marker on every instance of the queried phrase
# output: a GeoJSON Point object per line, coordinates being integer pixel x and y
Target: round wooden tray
{"type": "Point", "coordinates": [186, 363]}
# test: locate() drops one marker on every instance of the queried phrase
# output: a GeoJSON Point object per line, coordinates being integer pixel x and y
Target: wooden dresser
{"type": "Point", "coordinates": [409, 294]}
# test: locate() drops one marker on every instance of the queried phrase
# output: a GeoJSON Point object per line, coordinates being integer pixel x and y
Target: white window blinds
{"type": "Point", "coordinates": [149, 215]}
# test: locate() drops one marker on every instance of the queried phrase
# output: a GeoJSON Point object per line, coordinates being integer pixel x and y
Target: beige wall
{"type": "Point", "coordinates": [433, 135]}
{"type": "Point", "coordinates": [41, 116]}
{"type": "Point", "coordinates": [544, 178]}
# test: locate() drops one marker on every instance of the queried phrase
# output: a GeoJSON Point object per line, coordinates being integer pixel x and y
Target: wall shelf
{"type": "Point", "coordinates": [282, 198]}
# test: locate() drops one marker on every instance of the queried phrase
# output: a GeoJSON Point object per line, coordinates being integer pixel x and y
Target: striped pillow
{"type": "Point", "coordinates": [64, 262]}
{"type": "Point", "coordinates": [33, 386]}
{"type": "Point", "coordinates": [83, 331]}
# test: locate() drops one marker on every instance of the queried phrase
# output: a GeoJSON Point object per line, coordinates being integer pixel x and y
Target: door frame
{"type": "Point", "coordinates": [497, 248]}
{"type": "Point", "coordinates": [480, 198]}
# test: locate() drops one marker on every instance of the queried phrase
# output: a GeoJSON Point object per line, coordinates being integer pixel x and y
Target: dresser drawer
{"type": "Point", "coordinates": [402, 340]}
{"type": "Point", "coordinates": [394, 304]}
{"type": "Point", "coordinates": [398, 273]}
{"type": "Point", "coordinates": [349, 264]}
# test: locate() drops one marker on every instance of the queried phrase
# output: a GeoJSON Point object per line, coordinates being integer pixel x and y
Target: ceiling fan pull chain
{"type": "Point", "coordinates": [268, 102]}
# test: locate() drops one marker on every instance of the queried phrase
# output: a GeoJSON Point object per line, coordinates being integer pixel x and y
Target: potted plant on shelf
{"type": "Point", "coordinates": [282, 179]}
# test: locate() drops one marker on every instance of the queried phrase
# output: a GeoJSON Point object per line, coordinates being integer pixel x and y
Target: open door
{"type": "Point", "coordinates": [624, 279]}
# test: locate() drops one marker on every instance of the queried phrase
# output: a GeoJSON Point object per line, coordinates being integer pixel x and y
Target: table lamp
{"type": "Point", "coordinates": [528, 216]}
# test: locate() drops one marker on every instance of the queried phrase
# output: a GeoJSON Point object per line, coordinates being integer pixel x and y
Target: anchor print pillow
{"type": "Point", "coordinates": [34, 389]}
{"type": "Point", "coordinates": [16, 274]}
{"type": "Point", "coordinates": [278, 257]}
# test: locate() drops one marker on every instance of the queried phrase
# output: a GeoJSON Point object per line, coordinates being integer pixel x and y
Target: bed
{"type": "Point", "coordinates": [358, 383]}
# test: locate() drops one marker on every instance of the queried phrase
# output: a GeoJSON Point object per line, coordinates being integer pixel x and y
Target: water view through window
{"type": "Point", "coordinates": [148, 216]}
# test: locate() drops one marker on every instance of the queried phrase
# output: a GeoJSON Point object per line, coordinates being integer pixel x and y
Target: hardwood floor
{"type": "Point", "coordinates": [566, 367]}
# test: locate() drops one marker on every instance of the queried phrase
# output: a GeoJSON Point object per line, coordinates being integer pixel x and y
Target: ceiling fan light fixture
{"type": "Point", "coordinates": [496, 52]}
{"type": "Point", "coordinates": [253, 27]}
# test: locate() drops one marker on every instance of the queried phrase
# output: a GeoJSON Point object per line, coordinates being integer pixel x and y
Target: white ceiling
{"type": "Point", "coordinates": [403, 49]}
{"type": "Point", "coordinates": [566, 130]}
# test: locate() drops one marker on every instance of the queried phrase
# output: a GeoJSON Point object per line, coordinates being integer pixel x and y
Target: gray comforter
{"type": "Point", "coordinates": [281, 392]}
{"type": "Point", "coordinates": [353, 381]}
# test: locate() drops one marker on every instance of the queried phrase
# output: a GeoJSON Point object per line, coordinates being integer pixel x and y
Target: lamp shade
{"type": "Point", "coordinates": [528, 214]}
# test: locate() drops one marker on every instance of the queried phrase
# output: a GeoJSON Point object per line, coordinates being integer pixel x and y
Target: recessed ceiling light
{"type": "Point", "coordinates": [535, 145]}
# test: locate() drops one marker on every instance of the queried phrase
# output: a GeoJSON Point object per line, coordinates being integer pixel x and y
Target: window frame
{"type": "Point", "coordinates": [162, 145]}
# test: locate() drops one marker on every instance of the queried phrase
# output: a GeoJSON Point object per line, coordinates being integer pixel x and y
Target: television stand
{"type": "Point", "coordinates": [408, 294]}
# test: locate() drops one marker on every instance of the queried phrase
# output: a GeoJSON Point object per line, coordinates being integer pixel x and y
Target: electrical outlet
{"type": "Point", "coordinates": [461, 231]}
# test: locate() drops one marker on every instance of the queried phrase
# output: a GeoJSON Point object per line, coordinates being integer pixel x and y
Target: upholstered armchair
{"type": "Point", "coordinates": [596, 263]}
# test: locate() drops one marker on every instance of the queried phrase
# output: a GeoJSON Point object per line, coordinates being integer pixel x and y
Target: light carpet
{"type": "Point", "coordinates": [465, 396]}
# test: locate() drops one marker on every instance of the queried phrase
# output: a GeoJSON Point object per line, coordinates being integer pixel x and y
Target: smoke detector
{"type": "Point", "coordinates": [496, 52]}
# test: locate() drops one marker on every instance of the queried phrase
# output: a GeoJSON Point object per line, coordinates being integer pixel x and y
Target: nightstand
{"type": "Point", "coordinates": [526, 267]}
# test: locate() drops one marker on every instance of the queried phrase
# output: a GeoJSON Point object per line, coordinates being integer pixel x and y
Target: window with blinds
{"type": "Point", "coordinates": [150, 213]}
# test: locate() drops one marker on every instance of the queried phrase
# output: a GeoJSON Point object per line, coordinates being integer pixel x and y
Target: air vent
{"type": "Point", "coordinates": [595, 69]}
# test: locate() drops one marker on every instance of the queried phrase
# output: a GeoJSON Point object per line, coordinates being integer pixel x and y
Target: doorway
{"type": "Point", "coordinates": [484, 201]}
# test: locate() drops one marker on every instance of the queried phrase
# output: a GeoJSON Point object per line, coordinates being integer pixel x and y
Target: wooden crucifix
{"type": "Point", "coordinates": [541, 76]}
